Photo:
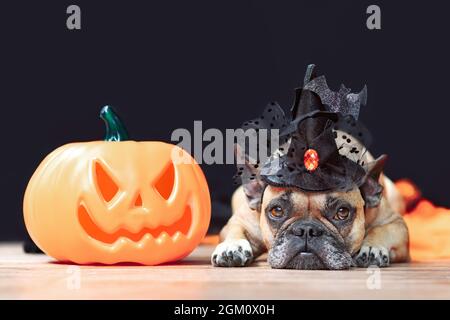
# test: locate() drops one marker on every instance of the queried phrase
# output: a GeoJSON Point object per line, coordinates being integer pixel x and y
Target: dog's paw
{"type": "Point", "coordinates": [235, 253]}
{"type": "Point", "coordinates": [372, 256]}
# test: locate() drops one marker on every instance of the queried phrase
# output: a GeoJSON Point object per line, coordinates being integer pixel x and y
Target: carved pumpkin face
{"type": "Point", "coordinates": [111, 202]}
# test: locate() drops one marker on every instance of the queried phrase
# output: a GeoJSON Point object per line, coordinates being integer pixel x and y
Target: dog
{"type": "Point", "coordinates": [330, 229]}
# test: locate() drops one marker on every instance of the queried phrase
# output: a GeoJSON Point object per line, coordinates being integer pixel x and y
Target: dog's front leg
{"type": "Point", "coordinates": [384, 244]}
{"type": "Point", "coordinates": [241, 241]}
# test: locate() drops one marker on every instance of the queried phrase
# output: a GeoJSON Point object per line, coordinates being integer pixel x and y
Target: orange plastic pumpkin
{"type": "Point", "coordinates": [117, 201]}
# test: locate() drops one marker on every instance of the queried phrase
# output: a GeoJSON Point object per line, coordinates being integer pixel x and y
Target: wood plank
{"type": "Point", "coordinates": [24, 276]}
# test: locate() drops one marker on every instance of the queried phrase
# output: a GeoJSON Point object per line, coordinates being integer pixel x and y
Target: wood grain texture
{"type": "Point", "coordinates": [24, 276]}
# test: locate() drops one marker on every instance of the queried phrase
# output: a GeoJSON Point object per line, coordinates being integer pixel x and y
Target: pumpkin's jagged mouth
{"type": "Point", "coordinates": [182, 225]}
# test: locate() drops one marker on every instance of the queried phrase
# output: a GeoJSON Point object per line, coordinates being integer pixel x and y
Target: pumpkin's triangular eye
{"type": "Point", "coordinates": [105, 184]}
{"type": "Point", "coordinates": [166, 181]}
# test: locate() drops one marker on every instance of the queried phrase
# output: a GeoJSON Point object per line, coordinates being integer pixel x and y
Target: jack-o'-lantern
{"type": "Point", "coordinates": [117, 201]}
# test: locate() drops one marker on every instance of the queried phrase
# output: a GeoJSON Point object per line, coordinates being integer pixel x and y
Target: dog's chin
{"type": "Point", "coordinates": [305, 261]}
{"type": "Point", "coordinates": [289, 253]}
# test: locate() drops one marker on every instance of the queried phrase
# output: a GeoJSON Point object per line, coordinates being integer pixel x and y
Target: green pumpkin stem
{"type": "Point", "coordinates": [115, 130]}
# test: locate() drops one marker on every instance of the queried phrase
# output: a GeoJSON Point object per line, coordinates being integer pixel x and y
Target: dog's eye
{"type": "Point", "coordinates": [342, 213]}
{"type": "Point", "coordinates": [276, 212]}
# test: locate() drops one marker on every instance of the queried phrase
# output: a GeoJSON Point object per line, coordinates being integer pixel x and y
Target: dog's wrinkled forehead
{"type": "Point", "coordinates": [309, 203]}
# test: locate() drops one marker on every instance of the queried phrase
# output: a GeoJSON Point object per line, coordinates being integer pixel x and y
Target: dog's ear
{"type": "Point", "coordinates": [371, 189]}
{"type": "Point", "coordinates": [251, 181]}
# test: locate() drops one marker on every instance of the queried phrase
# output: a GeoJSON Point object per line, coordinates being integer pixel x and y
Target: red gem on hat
{"type": "Point", "coordinates": [311, 160]}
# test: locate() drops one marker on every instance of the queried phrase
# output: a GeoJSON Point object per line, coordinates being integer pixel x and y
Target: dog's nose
{"type": "Point", "coordinates": [306, 230]}
{"type": "Point", "coordinates": [313, 231]}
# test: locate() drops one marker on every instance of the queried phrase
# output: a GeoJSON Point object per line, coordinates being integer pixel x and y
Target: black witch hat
{"type": "Point", "coordinates": [323, 146]}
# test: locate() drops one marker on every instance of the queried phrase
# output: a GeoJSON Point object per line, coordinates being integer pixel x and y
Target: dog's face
{"type": "Point", "coordinates": [306, 230]}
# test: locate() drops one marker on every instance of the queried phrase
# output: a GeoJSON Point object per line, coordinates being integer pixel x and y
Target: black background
{"type": "Point", "coordinates": [164, 64]}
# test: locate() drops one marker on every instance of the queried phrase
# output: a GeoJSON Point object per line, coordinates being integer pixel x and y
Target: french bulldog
{"type": "Point", "coordinates": [332, 229]}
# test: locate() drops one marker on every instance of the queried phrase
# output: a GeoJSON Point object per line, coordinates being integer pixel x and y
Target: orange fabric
{"type": "Point", "coordinates": [428, 225]}
{"type": "Point", "coordinates": [429, 232]}
{"type": "Point", "coordinates": [211, 239]}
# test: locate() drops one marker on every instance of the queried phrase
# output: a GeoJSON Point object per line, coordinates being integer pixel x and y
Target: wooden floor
{"type": "Point", "coordinates": [24, 276]}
